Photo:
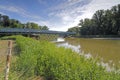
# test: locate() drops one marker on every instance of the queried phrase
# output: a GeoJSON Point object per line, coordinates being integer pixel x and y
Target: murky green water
{"type": "Point", "coordinates": [107, 50]}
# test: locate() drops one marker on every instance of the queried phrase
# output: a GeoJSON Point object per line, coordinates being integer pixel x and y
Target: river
{"type": "Point", "coordinates": [106, 50]}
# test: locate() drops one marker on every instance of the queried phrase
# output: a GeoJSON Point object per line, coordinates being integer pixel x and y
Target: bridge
{"type": "Point", "coordinates": [32, 31]}
{"type": "Point", "coordinates": [25, 31]}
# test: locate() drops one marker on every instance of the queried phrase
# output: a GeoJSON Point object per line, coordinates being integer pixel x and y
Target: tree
{"type": "Point", "coordinates": [98, 17]}
{"type": "Point", "coordinates": [32, 25]}
{"type": "Point", "coordinates": [44, 28]}
{"type": "Point", "coordinates": [108, 21]}
{"type": "Point", "coordinates": [116, 19]}
{"type": "Point", "coordinates": [75, 29]}
{"type": "Point", "coordinates": [0, 19]}
{"type": "Point", "coordinates": [87, 27]}
{"type": "Point", "coordinates": [5, 21]}
{"type": "Point", "coordinates": [103, 22]}
{"type": "Point", "coordinates": [13, 23]}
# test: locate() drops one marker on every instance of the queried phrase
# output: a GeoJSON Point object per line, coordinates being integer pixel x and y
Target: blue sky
{"type": "Point", "coordinates": [56, 14]}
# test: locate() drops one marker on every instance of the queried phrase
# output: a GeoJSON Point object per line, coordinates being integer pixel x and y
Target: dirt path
{"type": "Point", "coordinates": [3, 53]}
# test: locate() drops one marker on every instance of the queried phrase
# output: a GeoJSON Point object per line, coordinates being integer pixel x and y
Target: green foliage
{"type": "Point", "coordinates": [32, 25]}
{"type": "Point", "coordinates": [103, 22]}
{"type": "Point", "coordinates": [13, 23]}
{"type": "Point", "coordinates": [44, 28]}
{"type": "Point", "coordinates": [42, 58]}
{"type": "Point", "coordinates": [75, 29]}
{"type": "Point", "coordinates": [48, 37]}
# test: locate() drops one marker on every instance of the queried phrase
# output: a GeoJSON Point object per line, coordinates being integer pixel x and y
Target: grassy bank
{"type": "Point", "coordinates": [98, 36]}
{"type": "Point", "coordinates": [48, 37]}
{"type": "Point", "coordinates": [48, 62]}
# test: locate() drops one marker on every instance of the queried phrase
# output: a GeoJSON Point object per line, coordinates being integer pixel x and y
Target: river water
{"type": "Point", "coordinates": [107, 50]}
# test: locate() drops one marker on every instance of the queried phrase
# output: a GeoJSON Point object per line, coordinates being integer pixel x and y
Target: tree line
{"type": "Point", "coordinates": [6, 22]}
{"type": "Point", "coordinates": [103, 22]}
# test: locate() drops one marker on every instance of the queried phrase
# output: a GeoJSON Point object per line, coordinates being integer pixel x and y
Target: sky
{"type": "Point", "coordinates": [58, 15]}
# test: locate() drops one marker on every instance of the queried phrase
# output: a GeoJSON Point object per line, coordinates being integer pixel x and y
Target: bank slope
{"type": "Point", "coordinates": [46, 60]}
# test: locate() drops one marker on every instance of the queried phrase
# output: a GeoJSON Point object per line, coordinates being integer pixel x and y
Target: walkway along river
{"type": "Point", "coordinates": [107, 50]}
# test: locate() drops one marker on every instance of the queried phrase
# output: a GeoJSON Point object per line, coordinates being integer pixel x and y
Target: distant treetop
{"type": "Point", "coordinates": [6, 22]}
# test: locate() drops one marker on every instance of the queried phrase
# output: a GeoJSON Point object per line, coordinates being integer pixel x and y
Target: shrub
{"type": "Point", "coordinates": [45, 59]}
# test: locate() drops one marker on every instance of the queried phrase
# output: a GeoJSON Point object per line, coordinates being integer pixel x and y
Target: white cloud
{"type": "Point", "coordinates": [72, 11]}
{"type": "Point", "coordinates": [2, 13]}
{"type": "Point", "coordinates": [19, 11]}
{"type": "Point", "coordinates": [68, 13]}
{"type": "Point", "coordinates": [42, 2]}
{"type": "Point", "coordinates": [40, 22]}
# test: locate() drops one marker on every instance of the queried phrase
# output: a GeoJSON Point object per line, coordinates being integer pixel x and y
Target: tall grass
{"type": "Point", "coordinates": [45, 59]}
{"type": "Point", "coordinates": [48, 37]}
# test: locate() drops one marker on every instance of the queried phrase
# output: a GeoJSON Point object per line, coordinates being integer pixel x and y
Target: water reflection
{"type": "Point", "coordinates": [60, 39]}
{"type": "Point", "coordinates": [88, 55]}
{"type": "Point", "coordinates": [74, 48]}
{"type": "Point", "coordinates": [107, 50]}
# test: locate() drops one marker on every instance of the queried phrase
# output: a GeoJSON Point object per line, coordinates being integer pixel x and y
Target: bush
{"type": "Point", "coordinates": [45, 59]}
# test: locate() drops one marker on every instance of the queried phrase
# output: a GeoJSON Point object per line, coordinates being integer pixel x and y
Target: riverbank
{"type": "Point", "coordinates": [99, 36]}
{"type": "Point", "coordinates": [45, 59]}
{"type": "Point", "coordinates": [108, 38]}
